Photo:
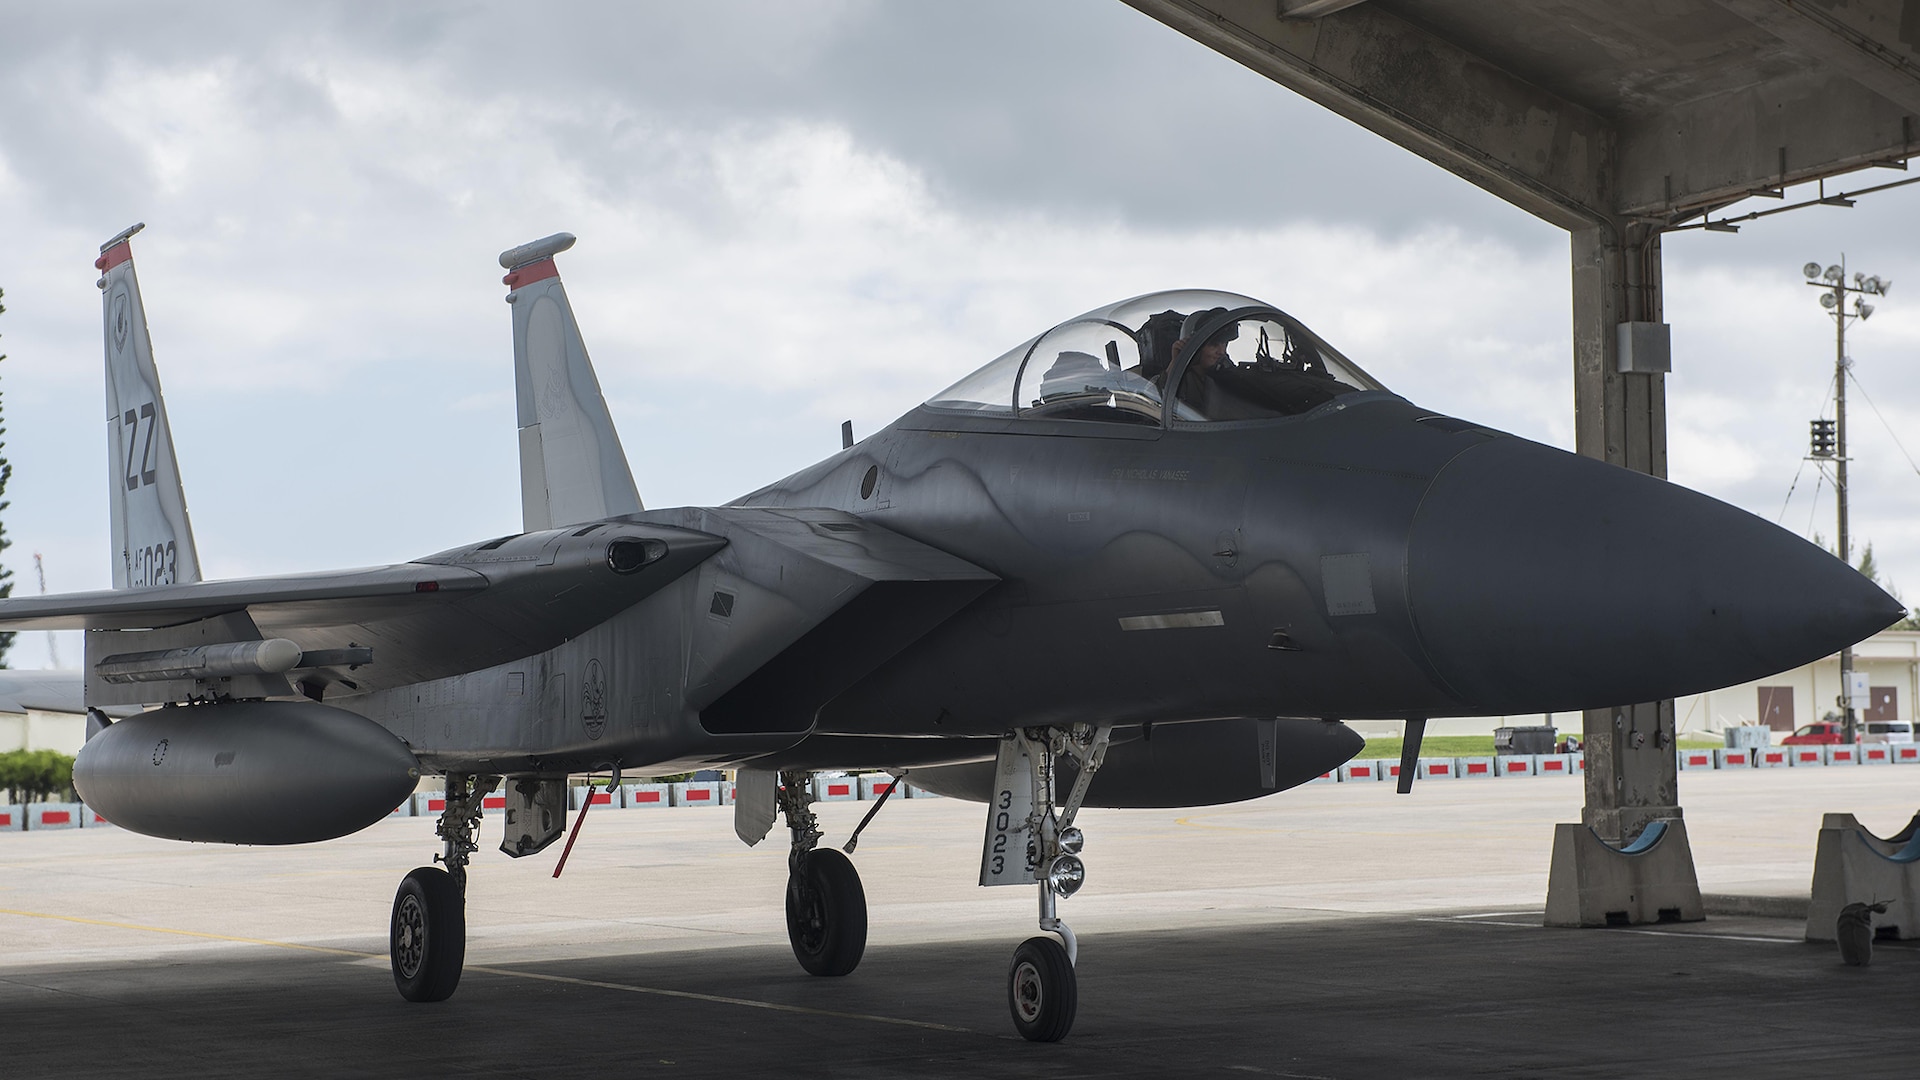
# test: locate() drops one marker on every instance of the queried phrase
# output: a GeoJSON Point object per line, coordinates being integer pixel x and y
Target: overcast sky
{"type": "Point", "coordinates": [789, 214]}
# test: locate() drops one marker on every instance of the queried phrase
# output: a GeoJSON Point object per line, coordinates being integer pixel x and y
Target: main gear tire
{"type": "Point", "coordinates": [427, 940]}
{"type": "Point", "coordinates": [827, 913]}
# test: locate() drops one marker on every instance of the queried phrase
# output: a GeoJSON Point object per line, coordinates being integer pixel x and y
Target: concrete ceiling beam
{"type": "Point", "coordinates": [1541, 152]}
{"type": "Point", "coordinates": [1822, 35]}
{"type": "Point", "coordinates": [1313, 9]}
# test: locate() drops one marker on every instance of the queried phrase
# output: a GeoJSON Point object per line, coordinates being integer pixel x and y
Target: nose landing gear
{"type": "Point", "coordinates": [1043, 992]}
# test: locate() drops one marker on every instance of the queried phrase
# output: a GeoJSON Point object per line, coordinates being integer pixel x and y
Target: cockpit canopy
{"type": "Point", "coordinates": [1231, 357]}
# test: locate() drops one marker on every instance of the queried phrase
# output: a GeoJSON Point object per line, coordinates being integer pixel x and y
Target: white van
{"type": "Point", "coordinates": [1887, 731]}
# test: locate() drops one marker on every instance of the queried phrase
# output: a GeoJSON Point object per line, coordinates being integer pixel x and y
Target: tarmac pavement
{"type": "Point", "coordinates": [1331, 931]}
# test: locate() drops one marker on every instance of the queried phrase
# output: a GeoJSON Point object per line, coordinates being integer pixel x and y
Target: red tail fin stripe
{"type": "Point", "coordinates": [530, 273]}
{"type": "Point", "coordinates": [113, 256]}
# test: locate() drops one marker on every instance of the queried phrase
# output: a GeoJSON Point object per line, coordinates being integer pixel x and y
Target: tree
{"type": "Point", "coordinates": [6, 474]}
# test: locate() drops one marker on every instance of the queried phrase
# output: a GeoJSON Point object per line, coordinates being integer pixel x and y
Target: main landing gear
{"type": "Point", "coordinates": [826, 906]}
{"type": "Point", "coordinates": [1043, 992]}
{"type": "Point", "coordinates": [428, 935]}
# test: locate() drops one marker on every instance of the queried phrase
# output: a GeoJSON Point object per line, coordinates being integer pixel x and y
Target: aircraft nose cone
{"type": "Point", "coordinates": [1542, 581]}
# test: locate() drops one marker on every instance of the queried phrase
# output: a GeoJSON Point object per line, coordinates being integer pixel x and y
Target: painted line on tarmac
{"type": "Point", "coordinates": [719, 999]}
{"type": "Point", "coordinates": [184, 933]}
{"type": "Point", "coordinates": [1695, 935]}
{"type": "Point", "coordinates": [630, 988]}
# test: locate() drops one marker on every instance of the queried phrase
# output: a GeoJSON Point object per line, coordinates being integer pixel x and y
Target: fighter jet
{"type": "Point", "coordinates": [1155, 555]}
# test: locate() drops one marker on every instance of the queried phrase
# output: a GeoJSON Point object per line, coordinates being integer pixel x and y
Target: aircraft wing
{"type": "Point", "coordinates": [443, 615]}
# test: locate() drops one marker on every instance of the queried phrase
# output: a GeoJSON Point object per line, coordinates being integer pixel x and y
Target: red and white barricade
{"type": "Point", "coordinates": [1473, 768]}
{"type": "Point", "coordinates": [1772, 757]}
{"type": "Point", "coordinates": [633, 796]}
{"type": "Point", "coordinates": [12, 818]}
{"type": "Point", "coordinates": [835, 789]}
{"type": "Point", "coordinates": [91, 820]}
{"type": "Point", "coordinates": [912, 792]}
{"type": "Point", "coordinates": [1841, 755]}
{"type": "Point", "coordinates": [1695, 759]}
{"type": "Point", "coordinates": [1906, 753]}
{"type": "Point", "coordinates": [1363, 770]}
{"type": "Point", "coordinates": [53, 815]}
{"type": "Point", "coordinates": [495, 803]}
{"type": "Point", "coordinates": [1554, 764]}
{"type": "Point", "coordinates": [872, 784]}
{"type": "Point", "coordinates": [726, 793]}
{"type": "Point", "coordinates": [1732, 759]}
{"type": "Point", "coordinates": [429, 803]}
{"type": "Point", "coordinates": [1514, 765]}
{"type": "Point", "coordinates": [1436, 768]}
{"type": "Point", "coordinates": [695, 793]}
{"type": "Point", "coordinates": [577, 797]}
{"type": "Point", "coordinates": [1806, 756]}
{"type": "Point", "coordinates": [1876, 753]}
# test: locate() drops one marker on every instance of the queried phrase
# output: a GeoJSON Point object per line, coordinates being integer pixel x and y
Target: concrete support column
{"type": "Point", "coordinates": [1632, 768]}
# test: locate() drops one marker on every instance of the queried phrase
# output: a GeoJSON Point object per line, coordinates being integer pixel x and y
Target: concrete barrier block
{"type": "Point", "coordinates": [1473, 768]}
{"type": "Point", "coordinates": [872, 784]}
{"type": "Point", "coordinates": [53, 815]}
{"type": "Point", "coordinates": [1390, 770]}
{"type": "Point", "coordinates": [1554, 764]}
{"type": "Point", "coordinates": [1695, 759]}
{"type": "Point", "coordinates": [1852, 865]}
{"type": "Point", "coordinates": [578, 796]}
{"type": "Point", "coordinates": [1772, 757]}
{"type": "Point", "coordinates": [1579, 762]}
{"type": "Point", "coordinates": [1515, 765]}
{"type": "Point", "coordinates": [1435, 768]}
{"type": "Point", "coordinates": [636, 796]}
{"type": "Point", "coordinates": [1592, 883]}
{"type": "Point", "coordinates": [12, 818]}
{"type": "Point", "coordinates": [1875, 753]}
{"type": "Point", "coordinates": [726, 793]}
{"type": "Point", "coordinates": [1732, 759]}
{"type": "Point", "coordinates": [835, 789]}
{"type": "Point", "coordinates": [91, 820]}
{"type": "Point", "coordinates": [1841, 755]}
{"type": "Point", "coordinates": [1906, 753]}
{"type": "Point", "coordinates": [695, 793]}
{"type": "Point", "coordinates": [1365, 770]}
{"type": "Point", "coordinates": [1804, 757]}
{"type": "Point", "coordinates": [922, 793]}
{"type": "Point", "coordinates": [428, 803]}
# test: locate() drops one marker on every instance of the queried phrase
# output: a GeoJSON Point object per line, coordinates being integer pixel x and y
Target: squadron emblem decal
{"type": "Point", "coordinates": [120, 321]}
{"type": "Point", "coordinates": [593, 701]}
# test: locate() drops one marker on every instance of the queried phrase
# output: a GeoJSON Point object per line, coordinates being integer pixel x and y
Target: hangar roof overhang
{"type": "Point", "coordinates": [1648, 112]}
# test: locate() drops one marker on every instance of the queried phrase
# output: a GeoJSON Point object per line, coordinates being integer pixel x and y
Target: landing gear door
{"type": "Point", "coordinates": [1008, 855]}
{"type": "Point", "coordinates": [536, 814]}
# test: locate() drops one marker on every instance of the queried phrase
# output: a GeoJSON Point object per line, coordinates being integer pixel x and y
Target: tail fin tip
{"type": "Point", "coordinates": [533, 251]}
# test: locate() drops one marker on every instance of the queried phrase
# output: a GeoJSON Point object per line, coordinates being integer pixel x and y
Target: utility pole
{"type": "Point", "coordinates": [53, 643]}
{"type": "Point", "coordinates": [1832, 283]}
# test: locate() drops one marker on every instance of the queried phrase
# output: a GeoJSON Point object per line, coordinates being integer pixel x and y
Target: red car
{"type": "Point", "coordinates": [1816, 734]}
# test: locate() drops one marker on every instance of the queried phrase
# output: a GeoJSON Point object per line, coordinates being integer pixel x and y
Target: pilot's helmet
{"type": "Point", "coordinates": [1200, 318]}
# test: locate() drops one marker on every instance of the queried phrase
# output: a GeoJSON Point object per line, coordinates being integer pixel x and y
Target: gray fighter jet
{"type": "Point", "coordinates": [1153, 556]}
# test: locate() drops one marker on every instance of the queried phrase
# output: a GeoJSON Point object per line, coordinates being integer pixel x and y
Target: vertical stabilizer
{"type": "Point", "coordinates": [572, 468]}
{"type": "Point", "coordinates": [152, 538]}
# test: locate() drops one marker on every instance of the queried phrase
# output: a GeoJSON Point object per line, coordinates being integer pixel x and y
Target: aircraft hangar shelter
{"type": "Point", "coordinates": [1618, 122]}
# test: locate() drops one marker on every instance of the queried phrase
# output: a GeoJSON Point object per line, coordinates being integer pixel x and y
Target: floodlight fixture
{"type": "Point", "coordinates": [1812, 271]}
{"type": "Point", "coordinates": [1827, 301]}
{"type": "Point", "coordinates": [1834, 273]}
{"type": "Point", "coordinates": [1863, 308]}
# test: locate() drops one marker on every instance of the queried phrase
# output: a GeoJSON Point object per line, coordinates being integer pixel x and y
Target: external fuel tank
{"type": "Point", "coordinates": [245, 772]}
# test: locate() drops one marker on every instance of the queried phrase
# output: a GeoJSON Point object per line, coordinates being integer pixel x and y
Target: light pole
{"type": "Point", "coordinates": [1832, 283]}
